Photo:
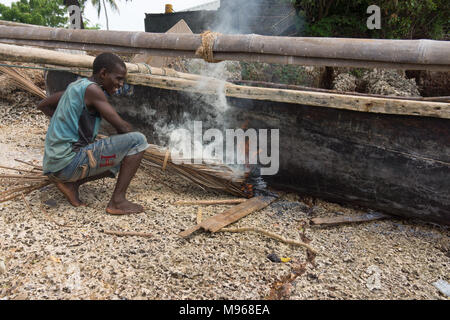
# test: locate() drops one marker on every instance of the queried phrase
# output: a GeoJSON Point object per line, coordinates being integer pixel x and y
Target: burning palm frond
{"type": "Point", "coordinates": [22, 82]}
{"type": "Point", "coordinates": [215, 176]}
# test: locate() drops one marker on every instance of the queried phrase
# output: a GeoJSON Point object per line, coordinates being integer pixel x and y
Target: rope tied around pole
{"type": "Point", "coordinates": [143, 68]}
{"type": "Point", "coordinates": [206, 49]}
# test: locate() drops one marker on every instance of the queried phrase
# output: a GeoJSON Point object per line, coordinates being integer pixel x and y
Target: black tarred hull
{"type": "Point", "coordinates": [396, 164]}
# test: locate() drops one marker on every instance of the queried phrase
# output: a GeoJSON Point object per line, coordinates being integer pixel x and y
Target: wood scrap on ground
{"type": "Point", "coordinates": [229, 216]}
{"type": "Point", "coordinates": [18, 169]}
{"type": "Point", "coordinates": [270, 235]}
{"type": "Point", "coordinates": [35, 166]}
{"type": "Point", "coordinates": [333, 221]}
{"type": "Point", "coordinates": [209, 202]}
{"type": "Point", "coordinates": [253, 229]}
{"type": "Point", "coordinates": [127, 233]}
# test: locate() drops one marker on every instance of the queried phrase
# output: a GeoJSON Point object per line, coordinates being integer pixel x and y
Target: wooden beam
{"type": "Point", "coordinates": [412, 54]}
{"type": "Point", "coordinates": [173, 80]}
{"type": "Point", "coordinates": [310, 98]}
{"type": "Point", "coordinates": [265, 84]}
{"type": "Point", "coordinates": [231, 56]}
{"type": "Point", "coordinates": [16, 53]}
{"type": "Point", "coordinates": [229, 216]}
{"type": "Point", "coordinates": [333, 221]}
{"type": "Point", "coordinates": [210, 202]}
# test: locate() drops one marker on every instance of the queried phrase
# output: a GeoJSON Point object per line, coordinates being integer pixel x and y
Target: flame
{"type": "Point", "coordinates": [248, 190]}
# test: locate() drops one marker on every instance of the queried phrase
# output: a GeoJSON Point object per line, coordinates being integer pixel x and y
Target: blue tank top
{"type": "Point", "coordinates": [72, 127]}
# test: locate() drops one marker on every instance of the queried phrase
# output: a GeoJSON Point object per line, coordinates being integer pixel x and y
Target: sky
{"type": "Point", "coordinates": [131, 14]}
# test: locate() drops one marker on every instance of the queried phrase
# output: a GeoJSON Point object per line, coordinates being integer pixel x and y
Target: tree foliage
{"type": "Point", "coordinates": [401, 19]}
{"type": "Point", "coordinates": [50, 13]}
{"type": "Point", "coordinates": [101, 5]}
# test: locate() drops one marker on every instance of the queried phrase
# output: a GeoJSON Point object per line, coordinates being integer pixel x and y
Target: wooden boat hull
{"type": "Point", "coordinates": [392, 163]}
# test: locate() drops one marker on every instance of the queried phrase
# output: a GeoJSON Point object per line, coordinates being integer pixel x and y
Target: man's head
{"type": "Point", "coordinates": [110, 71]}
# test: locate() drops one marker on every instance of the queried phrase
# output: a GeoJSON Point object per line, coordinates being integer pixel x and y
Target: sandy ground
{"type": "Point", "coordinates": [56, 251]}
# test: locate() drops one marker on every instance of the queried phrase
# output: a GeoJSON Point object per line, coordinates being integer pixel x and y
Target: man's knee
{"type": "Point", "coordinates": [139, 142]}
{"type": "Point", "coordinates": [139, 138]}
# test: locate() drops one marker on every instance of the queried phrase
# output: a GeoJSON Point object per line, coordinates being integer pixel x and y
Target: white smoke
{"type": "Point", "coordinates": [238, 17]}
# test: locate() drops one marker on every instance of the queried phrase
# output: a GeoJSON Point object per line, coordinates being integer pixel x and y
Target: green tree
{"type": "Point", "coordinates": [101, 5]}
{"type": "Point", "coordinates": [401, 19]}
{"type": "Point", "coordinates": [50, 13]}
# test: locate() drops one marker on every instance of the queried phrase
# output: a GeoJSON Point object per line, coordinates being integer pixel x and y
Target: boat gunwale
{"type": "Point", "coordinates": [343, 101]}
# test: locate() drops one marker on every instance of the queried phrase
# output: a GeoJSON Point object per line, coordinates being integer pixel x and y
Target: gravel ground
{"type": "Point", "coordinates": [56, 251]}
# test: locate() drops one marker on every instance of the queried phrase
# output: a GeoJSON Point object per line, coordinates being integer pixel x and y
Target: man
{"type": "Point", "coordinates": [72, 156]}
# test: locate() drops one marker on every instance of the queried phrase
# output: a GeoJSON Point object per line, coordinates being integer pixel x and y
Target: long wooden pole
{"type": "Point", "coordinates": [231, 56]}
{"type": "Point", "coordinates": [173, 80]}
{"type": "Point", "coordinates": [417, 54]}
{"type": "Point", "coordinates": [42, 56]}
{"type": "Point", "coordinates": [265, 84]}
{"type": "Point", "coordinates": [320, 99]}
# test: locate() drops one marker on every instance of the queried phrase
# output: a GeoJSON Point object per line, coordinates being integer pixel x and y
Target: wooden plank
{"type": "Point", "coordinates": [128, 233]}
{"type": "Point", "coordinates": [190, 231]}
{"type": "Point", "coordinates": [332, 221]}
{"type": "Point", "coordinates": [229, 216]}
{"type": "Point", "coordinates": [209, 202]}
{"type": "Point", "coordinates": [309, 98]}
{"type": "Point", "coordinates": [16, 53]}
{"type": "Point", "coordinates": [341, 101]}
{"type": "Point", "coordinates": [239, 211]}
{"type": "Point", "coordinates": [272, 85]}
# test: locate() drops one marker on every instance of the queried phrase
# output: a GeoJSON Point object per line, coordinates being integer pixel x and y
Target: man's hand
{"type": "Point", "coordinates": [49, 104]}
{"type": "Point", "coordinates": [96, 99]}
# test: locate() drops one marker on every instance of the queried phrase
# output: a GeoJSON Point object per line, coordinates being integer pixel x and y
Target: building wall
{"type": "Point", "coordinates": [198, 21]}
{"type": "Point", "coordinates": [265, 17]}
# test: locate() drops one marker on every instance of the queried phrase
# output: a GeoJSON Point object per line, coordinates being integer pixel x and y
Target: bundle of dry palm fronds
{"type": "Point", "coordinates": [210, 175]}
{"type": "Point", "coordinates": [27, 181]}
{"type": "Point", "coordinates": [22, 82]}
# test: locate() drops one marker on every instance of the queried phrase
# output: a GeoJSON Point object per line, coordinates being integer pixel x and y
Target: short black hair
{"type": "Point", "coordinates": [108, 61]}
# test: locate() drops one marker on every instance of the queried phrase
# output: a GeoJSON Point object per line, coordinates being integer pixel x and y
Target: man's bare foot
{"type": "Point", "coordinates": [70, 191]}
{"type": "Point", "coordinates": [123, 207]}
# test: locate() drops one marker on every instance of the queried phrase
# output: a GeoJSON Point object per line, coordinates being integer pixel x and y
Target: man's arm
{"type": "Point", "coordinates": [49, 104]}
{"type": "Point", "coordinates": [94, 97]}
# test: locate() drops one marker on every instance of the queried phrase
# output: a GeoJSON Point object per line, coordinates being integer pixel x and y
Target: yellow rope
{"type": "Point", "coordinates": [206, 49]}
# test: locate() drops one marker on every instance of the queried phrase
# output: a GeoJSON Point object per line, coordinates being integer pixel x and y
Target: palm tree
{"type": "Point", "coordinates": [102, 3]}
